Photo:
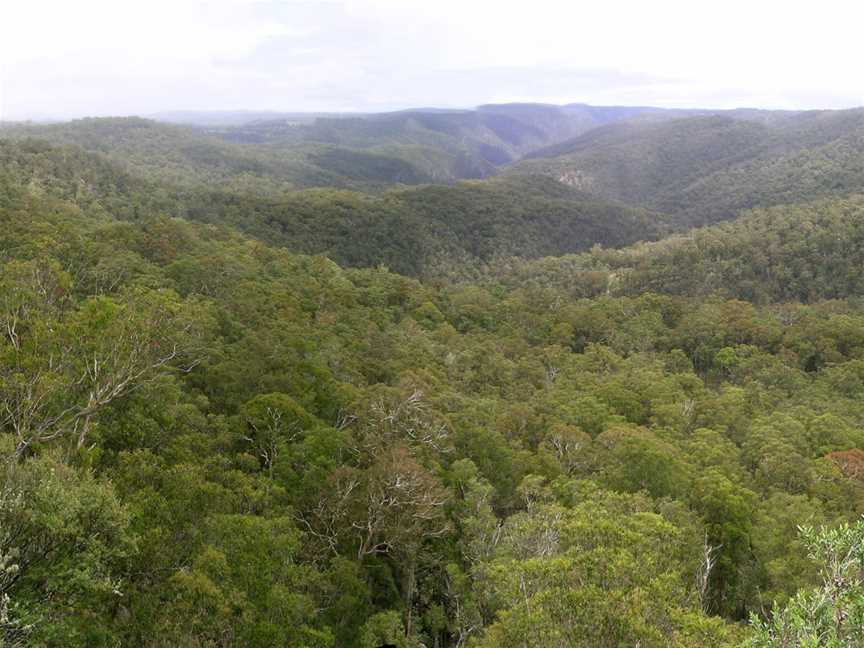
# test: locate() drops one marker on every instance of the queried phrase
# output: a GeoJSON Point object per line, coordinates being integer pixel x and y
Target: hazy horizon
{"type": "Point", "coordinates": [174, 115]}
{"type": "Point", "coordinates": [102, 58]}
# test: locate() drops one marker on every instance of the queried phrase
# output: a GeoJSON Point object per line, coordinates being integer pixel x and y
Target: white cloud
{"type": "Point", "coordinates": [122, 56]}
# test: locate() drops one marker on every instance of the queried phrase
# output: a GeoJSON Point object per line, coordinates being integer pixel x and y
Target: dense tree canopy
{"type": "Point", "coordinates": [212, 434]}
{"type": "Point", "coordinates": [707, 168]}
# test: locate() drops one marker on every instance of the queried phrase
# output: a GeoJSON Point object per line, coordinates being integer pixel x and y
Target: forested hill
{"type": "Point", "coordinates": [366, 152]}
{"type": "Point", "coordinates": [417, 231]}
{"type": "Point", "coordinates": [792, 253]}
{"type": "Point", "coordinates": [695, 167]}
{"type": "Point", "coordinates": [496, 133]}
{"type": "Point", "coordinates": [186, 157]}
{"type": "Point", "coordinates": [706, 169]}
{"type": "Point", "coordinates": [426, 230]}
{"type": "Point", "coordinates": [229, 417]}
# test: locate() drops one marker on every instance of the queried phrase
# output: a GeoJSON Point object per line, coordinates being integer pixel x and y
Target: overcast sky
{"type": "Point", "coordinates": [68, 58]}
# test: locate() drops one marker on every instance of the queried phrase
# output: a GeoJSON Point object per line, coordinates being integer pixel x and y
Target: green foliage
{"type": "Point", "coordinates": [422, 231]}
{"type": "Point", "coordinates": [799, 253]}
{"type": "Point", "coordinates": [599, 573]}
{"type": "Point", "coordinates": [833, 614]}
{"type": "Point", "coordinates": [368, 152]}
{"type": "Point", "coordinates": [705, 169]}
{"type": "Point", "coordinates": [64, 541]}
{"type": "Point", "coordinates": [245, 584]}
{"type": "Point", "coordinates": [210, 440]}
{"type": "Point", "coordinates": [383, 628]}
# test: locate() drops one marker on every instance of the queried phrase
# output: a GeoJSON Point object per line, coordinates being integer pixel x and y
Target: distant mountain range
{"type": "Point", "coordinates": [363, 151]}
{"type": "Point", "coordinates": [545, 180]}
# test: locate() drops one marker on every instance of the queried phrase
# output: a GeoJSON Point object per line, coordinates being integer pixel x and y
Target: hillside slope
{"type": "Point", "coordinates": [707, 169]}
{"type": "Point", "coordinates": [189, 157]}
{"type": "Point", "coordinates": [494, 134]}
{"type": "Point", "coordinates": [416, 231]}
{"type": "Point", "coordinates": [805, 253]}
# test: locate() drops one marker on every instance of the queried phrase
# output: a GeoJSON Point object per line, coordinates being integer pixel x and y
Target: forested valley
{"type": "Point", "coordinates": [520, 376]}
